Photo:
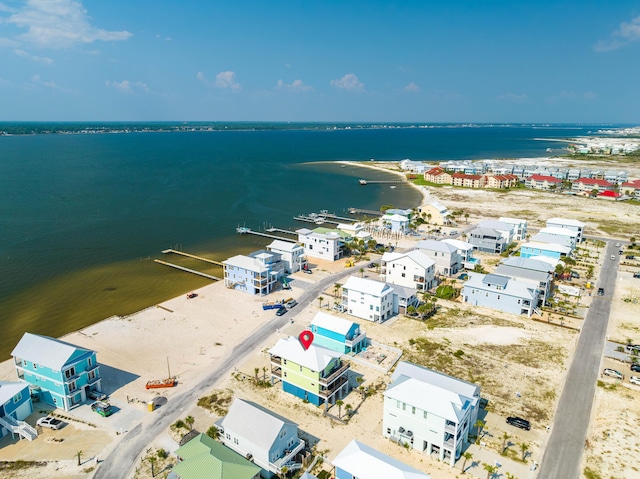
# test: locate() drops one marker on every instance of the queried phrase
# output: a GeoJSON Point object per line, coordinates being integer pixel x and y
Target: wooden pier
{"type": "Point", "coordinates": [200, 258]}
{"type": "Point", "coordinates": [271, 229]}
{"type": "Point", "coordinates": [248, 231]}
{"type": "Point", "coordinates": [364, 182]}
{"type": "Point", "coordinates": [193, 271]}
{"type": "Point", "coordinates": [355, 211]}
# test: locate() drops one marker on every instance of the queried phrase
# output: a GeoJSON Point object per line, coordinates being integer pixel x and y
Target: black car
{"type": "Point", "coordinates": [636, 275]}
{"type": "Point", "coordinates": [633, 347]}
{"type": "Point", "coordinates": [600, 291]}
{"type": "Point", "coordinates": [635, 367]}
{"type": "Point", "coordinates": [281, 311]}
{"type": "Point", "coordinates": [519, 422]}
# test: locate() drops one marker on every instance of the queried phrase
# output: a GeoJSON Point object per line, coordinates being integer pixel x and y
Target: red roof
{"type": "Point", "coordinates": [593, 181]}
{"type": "Point", "coordinates": [505, 177]}
{"type": "Point", "coordinates": [610, 194]}
{"type": "Point", "coordinates": [466, 177]}
{"type": "Point", "coordinates": [632, 184]}
{"type": "Point", "coordinates": [550, 179]}
{"type": "Point", "coordinates": [435, 171]}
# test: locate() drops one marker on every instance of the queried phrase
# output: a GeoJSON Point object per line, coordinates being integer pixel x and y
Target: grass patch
{"type": "Point", "coordinates": [534, 353]}
{"type": "Point", "coordinates": [591, 474]}
{"type": "Point", "coordinates": [20, 465]}
{"type": "Point", "coordinates": [217, 402]}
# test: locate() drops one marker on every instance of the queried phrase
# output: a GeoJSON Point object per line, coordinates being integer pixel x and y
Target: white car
{"type": "Point", "coordinates": [635, 380]}
{"type": "Point", "coordinates": [613, 373]}
{"type": "Point", "coordinates": [50, 422]}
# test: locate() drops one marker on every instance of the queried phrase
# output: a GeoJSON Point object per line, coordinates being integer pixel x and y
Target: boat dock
{"type": "Point", "coordinates": [244, 230]}
{"type": "Point", "coordinates": [323, 217]}
{"type": "Point", "coordinates": [271, 229]}
{"type": "Point", "coordinates": [355, 211]}
{"type": "Point", "coordinates": [193, 271]}
{"type": "Point", "coordinates": [363, 182]}
{"type": "Point", "coordinates": [182, 253]}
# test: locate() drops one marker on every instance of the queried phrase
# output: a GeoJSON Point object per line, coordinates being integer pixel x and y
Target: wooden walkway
{"type": "Point", "coordinates": [249, 231]}
{"type": "Point", "coordinates": [193, 271]}
{"type": "Point", "coordinates": [169, 251]}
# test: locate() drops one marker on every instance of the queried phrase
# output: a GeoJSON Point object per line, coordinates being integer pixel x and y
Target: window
{"type": "Point", "coordinates": [17, 398]}
{"type": "Point", "coordinates": [284, 361]}
{"type": "Point", "coordinates": [235, 440]}
{"type": "Point", "coordinates": [398, 404]}
{"type": "Point", "coordinates": [404, 406]}
{"type": "Point", "coordinates": [413, 410]}
{"type": "Point", "coordinates": [72, 386]}
{"type": "Point", "coordinates": [228, 436]}
{"type": "Point", "coordinates": [35, 366]}
{"type": "Point", "coordinates": [89, 363]}
{"type": "Point", "coordinates": [424, 414]}
{"type": "Point", "coordinates": [69, 373]}
{"type": "Point", "coordinates": [403, 275]}
{"type": "Point", "coordinates": [300, 368]}
{"type": "Point", "coordinates": [285, 374]}
{"type": "Point", "coordinates": [92, 375]}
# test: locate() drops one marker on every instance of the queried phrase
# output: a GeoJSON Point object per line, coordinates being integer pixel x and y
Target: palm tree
{"type": "Point", "coordinates": [524, 447]}
{"type": "Point", "coordinates": [264, 373]}
{"type": "Point", "coordinates": [213, 432]}
{"type": "Point", "coordinates": [256, 370]}
{"type": "Point", "coordinates": [348, 408]}
{"type": "Point", "coordinates": [510, 476]}
{"type": "Point", "coordinates": [79, 454]}
{"type": "Point", "coordinates": [362, 272]}
{"type": "Point", "coordinates": [339, 403]}
{"type": "Point", "coordinates": [320, 299]}
{"type": "Point", "coordinates": [152, 460]}
{"type": "Point", "coordinates": [479, 425]}
{"type": "Point", "coordinates": [284, 471]}
{"type": "Point", "coordinates": [467, 456]}
{"type": "Point", "coordinates": [190, 420]}
{"type": "Point", "coordinates": [336, 289]}
{"type": "Point", "coordinates": [466, 217]}
{"type": "Point", "coordinates": [505, 437]}
{"type": "Point", "coordinates": [490, 469]}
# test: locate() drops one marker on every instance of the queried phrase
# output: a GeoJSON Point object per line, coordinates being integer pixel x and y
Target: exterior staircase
{"type": "Point", "coordinates": [18, 427]}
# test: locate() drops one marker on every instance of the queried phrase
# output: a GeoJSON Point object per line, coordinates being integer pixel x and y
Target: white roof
{"type": "Point", "coordinates": [332, 323]}
{"type": "Point", "coordinates": [436, 378]}
{"type": "Point", "coordinates": [534, 264]}
{"type": "Point", "coordinates": [565, 221]}
{"type": "Point", "coordinates": [396, 217]}
{"type": "Point", "coordinates": [463, 245]}
{"type": "Point", "coordinates": [433, 245]}
{"type": "Point", "coordinates": [552, 239]}
{"type": "Point", "coordinates": [367, 286]}
{"type": "Point", "coordinates": [253, 422]}
{"type": "Point", "coordinates": [511, 287]}
{"type": "Point", "coordinates": [496, 225]}
{"type": "Point", "coordinates": [558, 248]}
{"type": "Point", "coordinates": [363, 234]}
{"type": "Point", "coordinates": [513, 221]}
{"type": "Point", "coordinates": [48, 352]}
{"type": "Point", "coordinates": [246, 262]}
{"type": "Point", "coordinates": [315, 357]}
{"type": "Point", "coordinates": [365, 462]}
{"type": "Point", "coordinates": [554, 230]}
{"type": "Point", "coordinates": [438, 206]}
{"type": "Point", "coordinates": [8, 389]}
{"type": "Point", "coordinates": [422, 259]}
{"type": "Point", "coordinates": [427, 397]}
{"type": "Point", "coordinates": [280, 245]}
{"type": "Point", "coordinates": [553, 262]}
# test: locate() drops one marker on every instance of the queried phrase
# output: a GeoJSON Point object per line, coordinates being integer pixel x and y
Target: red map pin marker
{"type": "Point", "coordinates": [306, 338]}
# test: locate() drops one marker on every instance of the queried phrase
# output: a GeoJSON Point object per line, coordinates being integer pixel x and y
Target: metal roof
{"type": "Point", "coordinates": [316, 358]}
{"type": "Point", "coordinates": [48, 352]}
{"type": "Point", "coordinates": [332, 323]}
{"type": "Point", "coordinates": [444, 381]}
{"type": "Point", "coordinates": [362, 461]}
{"type": "Point", "coordinates": [367, 286]}
{"type": "Point", "coordinates": [8, 389]}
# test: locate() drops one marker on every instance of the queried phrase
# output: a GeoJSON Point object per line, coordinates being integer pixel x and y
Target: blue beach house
{"type": "Point", "coordinates": [63, 372]}
{"type": "Point", "coordinates": [550, 250]}
{"type": "Point", "coordinates": [337, 334]}
{"type": "Point", "coordinates": [15, 406]}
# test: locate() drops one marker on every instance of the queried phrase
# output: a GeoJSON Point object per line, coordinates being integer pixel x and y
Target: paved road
{"type": "Point", "coordinates": [121, 461]}
{"type": "Point", "coordinates": [564, 450]}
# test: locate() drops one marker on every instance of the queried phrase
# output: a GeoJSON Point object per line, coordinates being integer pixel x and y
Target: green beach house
{"type": "Point", "coordinates": [205, 458]}
{"type": "Point", "coordinates": [316, 374]}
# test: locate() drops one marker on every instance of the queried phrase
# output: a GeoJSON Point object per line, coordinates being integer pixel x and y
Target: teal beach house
{"type": "Point", "coordinates": [337, 334]}
{"type": "Point", "coordinates": [60, 372]}
{"type": "Point", "coordinates": [15, 407]}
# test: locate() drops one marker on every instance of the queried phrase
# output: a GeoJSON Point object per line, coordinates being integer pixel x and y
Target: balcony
{"type": "Point", "coordinates": [335, 374]}
{"type": "Point", "coordinates": [352, 342]}
{"type": "Point", "coordinates": [330, 391]}
{"type": "Point", "coordinates": [450, 427]}
{"type": "Point", "coordinates": [288, 460]}
{"type": "Point", "coordinates": [276, 371]}
{"type": "Point", "coordinates": [276, 361]}
{"type": "Point", "coordinates": [91, 381]}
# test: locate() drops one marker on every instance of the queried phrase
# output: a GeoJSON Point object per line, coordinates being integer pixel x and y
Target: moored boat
{"type": "Point", "coordinates": [161, 383]}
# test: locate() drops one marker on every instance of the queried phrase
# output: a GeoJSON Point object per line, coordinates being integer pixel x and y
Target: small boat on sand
{"type": "Point", "coordinates": [161, 383]}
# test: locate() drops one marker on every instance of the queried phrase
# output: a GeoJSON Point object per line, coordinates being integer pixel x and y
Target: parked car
{"type": "Point", "coordinates": [290, 304]}
{"type": "Point", "coordinates": [281, 311]}
{"type": "Point", "coordinates": [617, 245]}
{"type": "Point", "coordinates": [575, 275]}
{"type": "Point", "coordinates": [635, 368]}
{"type": "Point", "coordinates": [630, 256]}
{"type": "Point", "coordinates": [50, 422]}
{"type": "Point", "coordinates": [96, 395]}
{"type": "Point", "coordinates": [600, 291]}
{"type": "Point", "coordinates": [103, 408]}
{"type": "Point", "coordinates": [633, 347]}
{"type": "Point", "coordinates": [372, 265]}
{"type": "Point", "coordinates": [635, 380]}
{"type": "Point", "coordinates": [307, 271]}
{"type": "Point", "coordinates": [519, 422]}
{"type": "Point", "coordinates": [613, 257]}
{"type": "Point", "coordinates": [613, 373]}
{"type": "Point", "coordinates": [636, 275]}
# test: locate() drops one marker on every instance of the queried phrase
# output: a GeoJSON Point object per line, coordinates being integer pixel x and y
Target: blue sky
{"type": "Point", "coordinates": [414, 61]}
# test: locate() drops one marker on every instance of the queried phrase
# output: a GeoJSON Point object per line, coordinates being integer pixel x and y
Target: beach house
{"type": "Point", "coordinates": [337, 334]}
{"type": "Point", "coordinates": [368, 299]}
{"type": "Point", "coordinates": [501, 181]}
{"type": "Point", "coordinates": [631, 188]}
{"type": "Point", "coordinates": [292, 254]}
{"type": "Point", "coordinates": [268, 440]}
{"type": "Point", "coordinates": [322, 243]}
{"type": "Point", "coordinates": [438, 176]}
{"type": "Point", "coordinates": [435, 213]}
{"type": "Point", "coordinates": [445, 256]}
{"type": "Point", "coordinates": [537, 273]}
{"type": "Point", "coordinates": [553, 239]}
{"type": "Point", "coordinates": [316, 374]}
{"type": "Point", "coordinates": [414, 269]}
{"type": "Point", "coordinates": [487, 240]}
{"type": "Point", "coordinates": [465, 250]}
{"type": "Point", "coordinates": [570, 224]}
{"type": "Point", "coordinates": [552, 250]}
{"type": "Point", "coordinates": [469, 180]}
{"type": "Point", "coordinates": [64, 373]}
{"type": "Point", "coordinates": [542, 182]}
{"type": "Point", "coordinates": [204, 457]}
{"type": "Point", "coordinates": [255, 274]}
{"type": "Point", "coordinates": [564, 233]}
{"type": "Point", "coordinates": [359, 461]}
{"type": "Point", "coordinates": [501, 292]}
{"type": "Point", "coordinates": [429, 411]}
{"type": "Point", "coordinates": [395, 222]}
{"type": "Point", "coordinates": [519, 227]}
{"type": "Point", "coordinates": [590, 184]}
{"type": "Point", "coordinates": [15, 407]}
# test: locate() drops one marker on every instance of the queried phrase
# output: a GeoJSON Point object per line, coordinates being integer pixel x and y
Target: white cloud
{"type": "Point", "coordinates": [627, 32]}
{"type": "Point", "coordinates": [166, 39]}
{"type": "Point", "coordinates": [126, 86]}
{"type": "Point", "coordinates": [227, 80]}
{"type": "Point", "coordinates": [295, 86]}
{"type": "Point", "coordinates": [412, 87]}
{"type": "Point", "coordinates": [590, 95]}
{"type": "Point", "coordinates": [35, 58]}
{"type": "Point", "coordinates": [514, 97]}
{"type": "Point", "coordinates": [348, 82]}
{"type": "Point", "coordinates": [38, 81]}
{"type": "Point", "coordinates": [59, 24]}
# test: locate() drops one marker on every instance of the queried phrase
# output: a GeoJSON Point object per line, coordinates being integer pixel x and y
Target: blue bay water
{"type": "Point", "coordinates": [83, 215]}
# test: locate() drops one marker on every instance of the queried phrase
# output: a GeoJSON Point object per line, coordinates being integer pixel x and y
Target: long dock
{"type": "Point", "coordinates": [244, 230]}
{"type": "Point", "coordinates": [182, 253]}
{"type": "Point", "coordinates": [193, 271]}
{"type": "Point", "coordinates": [390, 182]}
{"type": "Point", "coordinates": [355, 211]}
{"type": "Point", "coordinates": [280, 230]}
